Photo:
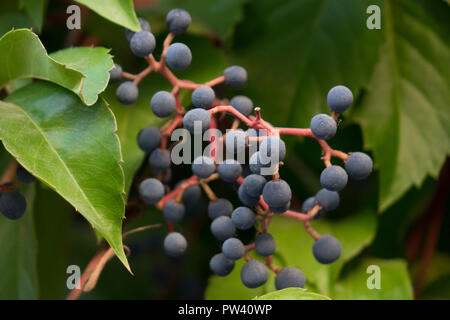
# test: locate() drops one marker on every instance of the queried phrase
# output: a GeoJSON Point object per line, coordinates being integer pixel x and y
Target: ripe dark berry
{"type": "Point", "coordinates": [254, 274]}
{"type": "Point", "coordinates": [173, 211]}
{"type": "Point", "coordinates": [328, 200]}
{"type": "Point", "coordinates": [160, 159]}
{"type": "Point", "coordinates": [273, 148]}
{"type": "Point", "coordinates": [253, 185]}
{"type": "Point", "coordinates": [290, 277]}
{"type": "Point", "coordinates": [245, 198]}
{"type": "Point", "coordinates": [323, 126]}
{"type": "Point", "coordinates": [127, 93]}
{"type": "Point", "coordinates": [233, 249]}
{"type": "Point", "coordinates": [178, 56]}
{"type": "Point", "coordinates": [220, 265]}
{"type": "Point", "coordinates": [242, 104]}
{"type": "Point", "coordinates": [142, 43]}
{"type": "Point", "coordinates": [219, 207]}
{"type": "Point", "coordinates": [243, 218]}
{"type": "Point", "coordinates": [12, 204]}
{"type": "Point", "coordinates": [197, 120]}
{"type": "Point", "coordinates": [178, 20]}
{"type": "Point", "coordinates": [359, 165]}
{"type": "Point", "coordinates": [308, 204]}
{"type": "Point", "coordinates": [235, 76]}
{"type": "Point", "coordinates": [262, 165]}
{"type": "Point", "coordinates": [339, 98]}
{"type": "Point", "coordinates": [327, 249]}
{"type": "Point", "coordinates": [145, 26]}
{"type": "Point", "coordinates": [115, 74]}
{"type": "Point", "coordinates": [229, 170]}
{"type": "Point", "coordinates": [223, 228]}
{"type": "Point", "coordinates": [149, 139]}
{"type": "Point", "coordinates": [203, 97]}
{"type": "Point", "coordinates": [277, 194]}
{"type": "Point", "coordinates": [175, 244]}
{"type": "Point", "coordinates": [333, 178]}
{"type": "Point", "coordinates": [151, 191]}
{"type": "Point", "coordinates": [163, 104]}
{"type": "Point", "coordinates": [265, 245]}
{"type": "Point", "coordinates": [203, 167]}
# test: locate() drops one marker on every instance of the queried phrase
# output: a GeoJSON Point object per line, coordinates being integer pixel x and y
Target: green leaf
{"type": "Point", "coordinates": [94, 63]}
{"type": "Point", "coordinates": [71, 148]}
{"type": "Point", "coordinates": [10, 20]}
{"type": "Point", "coordinates": [295, 245]}
{"type": "Point", "coordinates": [18, 253]}
{"type": "Point", "coordinates": [296, 50]}
{"type": "Point", "coordinates": [35, 10]}
{"type": "Point", "coordinates": [117, 11]}
{"type": "Point", "coordinates": [22, 55]}
{"type": "Point", "coordinates": [405, 113]}
{"type": "Point", "coordinates": [394, 280]}
{"type": "Point", "coordinates": [292, 294]}
{"type": "Point", "coordinates": [220, 16]}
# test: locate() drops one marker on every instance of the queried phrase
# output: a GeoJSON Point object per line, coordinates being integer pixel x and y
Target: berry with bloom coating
{"type": "Point", "coordinates": [242, 104]}
{"type": "Point", "coordinates": [175, 244]}
{"type": "Point", "coordinates": [163, 104]}
{"type": "Point", "coordinates": [151, 191]}
{"type": "Point", "coordinates": [220, 265]}
{"type": "Point", "coordinates": [223, 228]}
{"type": "Point", "coordinates": [229, 170]}
{"type": "Point", "coordinates": [323, 126]}
{"type": "Point", "coordinates": [253, 185]}
{"type": "Point", "coordinates": [219, 207]}
{"type": "Point", "coordinates": [178, 20]}
{"type": "Point", "coordinates": [115, 74]}
{"type": "Point", "coordinates": [203, 167]}
{"type": "Point", "coordinates": [265, 245]}
{"type": "Point", "coordinates": [178, 56]}
{"type": "Point", "coordinates": [254, 274]}
{"type": "Point", "coordinates": [235, 76]}
{"type": "Point", "coordinates": [277, 194]}
{"type": "Point", "coordinates": [243, 218]}
{"type": "Point", "coordinates": [173, 211]}
{"type": "Point", "coordinates": [273, 148]}
{"type": "Point", "coordinates": [12, 204]}
{"type": "Point", "coordinates": [339, 98]}
{"type": "Point", "coordinates": [145, 26]}
{"type": "Point", "coordinates": [203, 97]}
{"type": "Point", "coordinates": [160, 159]}
{"type": "Point", "coordinates": [359, 165]}
{"type": "Point", "coordinates": [333, 178]}
{"type": "Point", "coordinates": [245, 198]}
{"type": "Point", "coordinates": [290, 277]}
{"type": "Point", "coordinates": [233, 249]}
{"type": "Point", "coordinates": [149, 139]}
{"type": "Point", "coordinates": [127, 93]}
{"type": "Point", "coordinates": [327, 249]}
{"type": "Point", "coordinates": [328, 200]}
{"type": "Point", "coordinates": [197, 118]}
{"type": "Point", "coordinates": [142, 43]}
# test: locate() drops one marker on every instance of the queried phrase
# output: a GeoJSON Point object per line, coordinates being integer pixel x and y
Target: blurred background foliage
{"type": "Point", "coordinates": [294, 51]}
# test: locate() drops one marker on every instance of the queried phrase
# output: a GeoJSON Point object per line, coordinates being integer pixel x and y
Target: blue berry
{"type": "Point", "coordinates": [173, 211]}
{"type": "Point", "coordinates": [175, 244]}
{"type": "Point", "coordinates": [223, 228]}
{"type": "Point", "coordinates": [328, 200]}
{"type": "Point", "coordinates": [219, 207]}
{"type": "Point", "coordinates": [151, 191]}
{"type": "Point", "coordinates": [359, 165]}
{"type": "Point", "coordinates": [145, 26]}
{"type": "Point", "coordinates": [178, 20]}
{"type": "Point", "coordinates": [12, 205]}
{"type": "Point", "coordinates": [203, 97]}
{"type": "Point", "coordinates": [265, 245]}
{"type": "Point", "coordinates": [273, 148]}
{"type": "Point", "coordinates": [203, 167]}
{"type": "Point", "coordinates": [197, 120]}
{"type": "Point", "coordinates": [327, 249]}
{"type": "Point", "coordinates": [243, 218]}
{"type": "Point", "coordinates": [235, 76]}
{"type": "Point", "coordinates": [163, 104]}
{"type": "Point", "coordinates": [253, 185]}
{"type": "Point", "coordinates": [323, 126]}
{"type": "Point", "coordinates": [261, 165]}
{"type": "Point", "coordinates": [242, 104]}
{"type": "Point", "coordinates": [149, 139]}
{"type": "Point", "coordinates": [115, 74]}
{"type": "Point", "coordinates": [277, 195]}
{"type": "Point", "coordinates": [236, 141]}
{"type": "Point", "coordinates": [178, 56]}
{"type": "Point", "coordinates": [24, 176]}
{"type": "Point", "coordinates": [220, 265]}
{"type": "Point", "coordinates": [127, 92]}
{"type": "Point", "coordinates": [192, 195]}
{"type": "Point", "coordinates": [333, 178]}
{"type": "Point", "coordinates": [229, 170]}
{"type": "Point", "coordinates": [160, 159]}
{"type": "Point", "coordinates": [339, 98]}
{"type": "Point", "coordinates": [290, 277]}
{"type": "Point", "coordinates": [308, 204]}
{"type": "Point", "coordinates": [246, 199]}
{"type": "Point", "coordinates": [233, 249]}
{"type": "Point", "coordinates": [254, 274]}
{"type": "Point", "coordinates": [142, 43]}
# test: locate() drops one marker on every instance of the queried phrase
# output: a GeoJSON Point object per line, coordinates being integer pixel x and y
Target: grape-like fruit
{"type": "Point", "coordinates": [277, 195]}
{"type": "Point", "coordinates": [327, 249]}
{"type": "Point", "coordinates": [175, 244]}
{"type": "Point", "coordinates": [254, 274]}
{"type": "Point", "coordinates": [243, 218]}
{"type": "Point", "coordinates": [115, 74]}
{"type": "Point", "coordinates": [339, 98]}
{"type": "Point", "coordinates": [203, 97]}
{"type": "Point", "coordinates": [233, 249]}
{"type": "Point", "coordinates": [178, 20]}
{"type": "Point", "coordinates": [265, 245]}
{"type": "Point", "coordinates": [12, 204]}
{"type": "Point", "coordinates": [197, 118]}
{"type": "Point", "coordinates": [178, 56]}
{"type": "Point", "coordinates": [151, 191]}
{"type": "Point", "coordinates": [273, 148]}
{"type": "Point", "coordinates": [253, 185]}
{"type": "Point", "coordinates": [223, 228]}
{"type": "Point", "coordinates": [235, 76]}
{"type": "Point", "coordinates": [220, 265]}
{"type": "Point", "coordinates": [219, 207]}
{"type": "Point", "coordinates": [290, 277]}
{"type": "Point", "coordinates": [229, 170]}
{"type": "Point", "coordinates": [328, 200]}
{"type": "Point", "coordinates": [145, 26]}
{"type": "Point", "coordinates": [359, 165]}
{"type": "Point", "coordinates": [308, 204]}
{"type": "Point", "coordinates": [203, 167]}
{"type": "Point", "coordinates": [24, 176]}
{"type": "Point", "coordinates": [236, 141]}
{"type": "Point", "coordinates": [149, 139]}
{"type": "Point", "coordinates": [323, 126]}
{"type": "Point", "coordinates": [160, 159]}
{"type": "Point", "coordinates": [191, 195]}
{"type": "Point", "coordinates": [142, 43]}
{"type": "Point", "coordinates": [127, 92]}
{"type": "Point", "coordinates": [163, 104]}
{"type": "Point", "coordinates": [242, 104]}
{"type": "Point", "coordinates": [333, 178]}
{"type": "Point", "coordinates": [262, 166]}
{"type": "Point", "coordinates": [173, 211]}
{"type": "Point", "coordinates": [246, 199]}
